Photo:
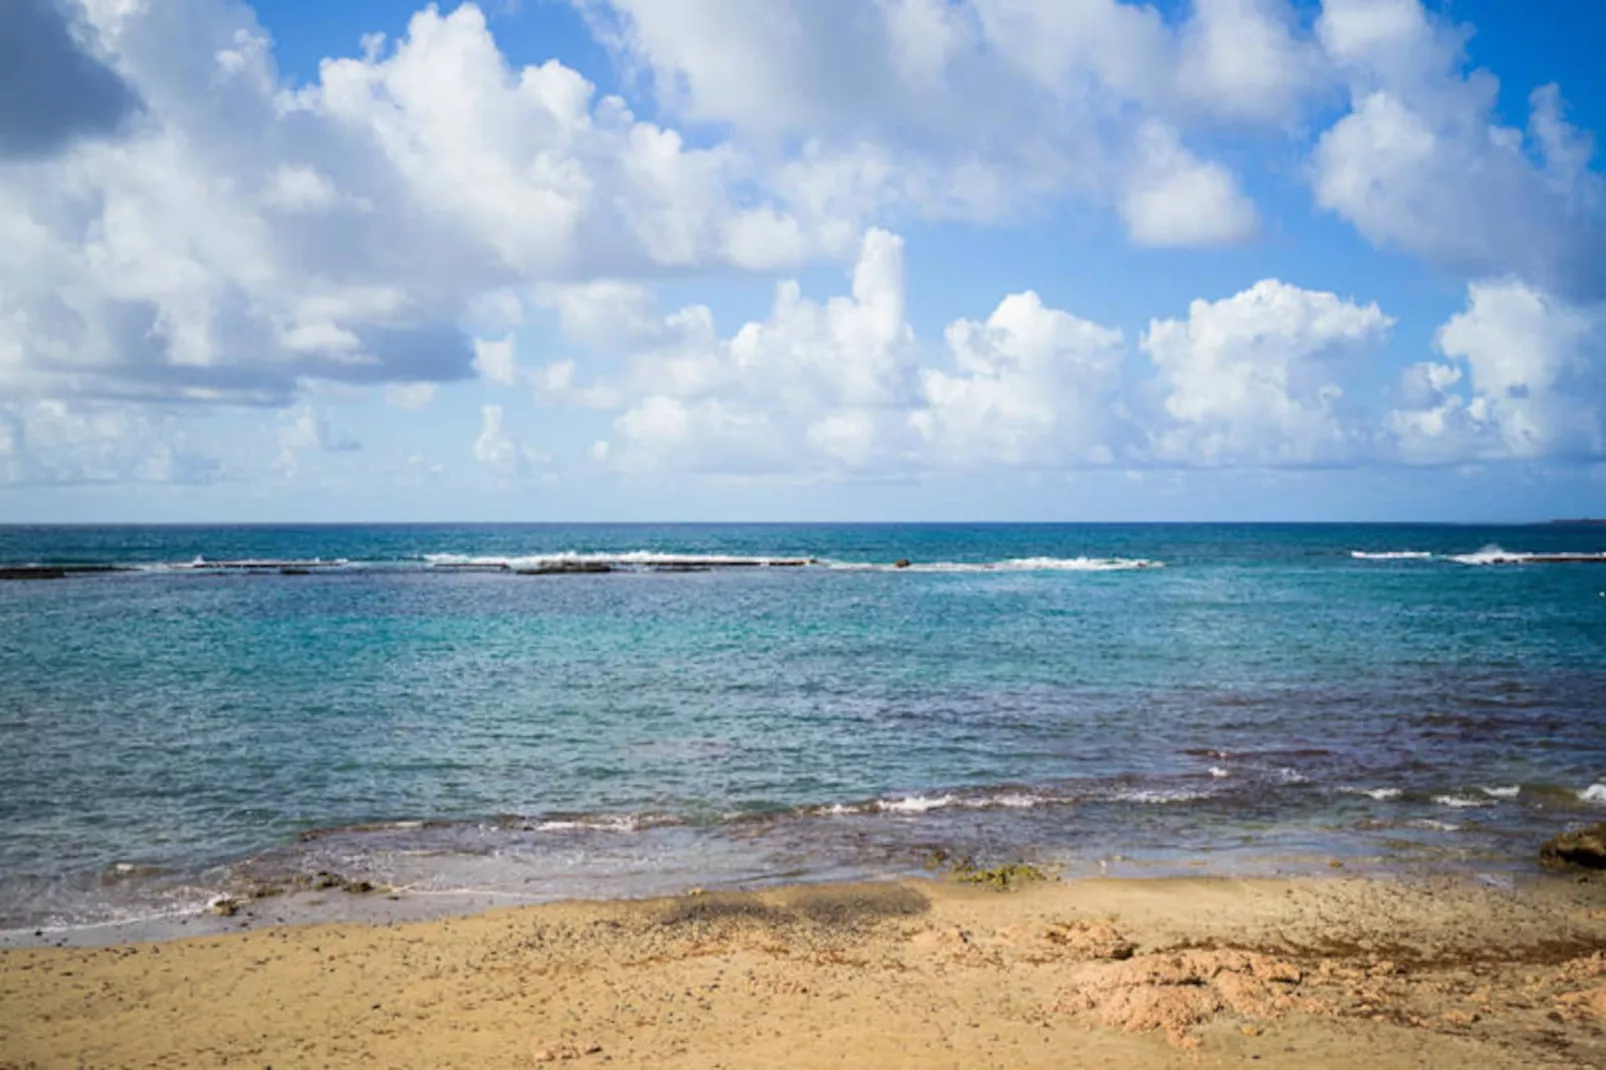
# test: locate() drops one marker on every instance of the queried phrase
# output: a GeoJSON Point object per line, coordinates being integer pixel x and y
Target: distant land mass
{"type": "Point", "coordinates": [1581, 520]}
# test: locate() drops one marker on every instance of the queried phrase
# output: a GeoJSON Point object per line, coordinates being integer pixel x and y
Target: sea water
{"type": "Point", "coordinates": [435, 708]}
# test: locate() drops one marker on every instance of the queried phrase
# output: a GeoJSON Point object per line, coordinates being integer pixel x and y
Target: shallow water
{"type": "Point", "coordinates": [1135, 697]}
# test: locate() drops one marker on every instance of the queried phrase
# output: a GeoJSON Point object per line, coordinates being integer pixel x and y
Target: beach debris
{"type": "Point", "coordinates": [224, 906]}
{"type": "Point", "coordinates": [902, 562]}
{"type": "Point", "coordinates": [999, 878]}
{"type": "Point", "coordinates": [1585, 848]}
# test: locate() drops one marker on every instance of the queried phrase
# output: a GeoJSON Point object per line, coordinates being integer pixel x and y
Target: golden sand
{"type": "Point", "coordinates": [1102, 973]}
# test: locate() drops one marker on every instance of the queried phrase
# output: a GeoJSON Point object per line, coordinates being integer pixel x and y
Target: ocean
{"type": "Point", "coordinates": [440, 708]}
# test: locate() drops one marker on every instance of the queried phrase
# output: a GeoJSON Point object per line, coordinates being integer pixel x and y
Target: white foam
{"type": "Point", "coordinates": [1292, 776]}
{"type": "Point", "coordinates": [1437, 826]}
{"type": "Point", "coordinates": [1014, 564]}
{"type": "Point", "coordinates": [1460, 802]}
{"type": "Point", "coordinates": [1218, 772]}
{"type": "Point", "coordinates": [627, 558]}
{"type": "Point", "coordinates": [1379, 794]}
{"type": "Point", "coordinates": [1595, 793]}
{"type": "Point", "coordinates": [914, 804]}
{"type": "Point", "coordinates": [1175, 795]}
{"type": "Point", "coordinates": [1510, 792]}
{"type": "Point", "coordinates": [1491, 555]}
{"type": "Point", "coordinates": [602, 823]}
{"type": "Point", "coordinates": [1494, 555]}
{"type": "Point", "coordinates": [1391, 555]}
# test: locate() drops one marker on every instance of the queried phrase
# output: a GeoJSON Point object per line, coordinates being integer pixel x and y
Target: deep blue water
{"type": "Point", "coordinates": [1260, 697]}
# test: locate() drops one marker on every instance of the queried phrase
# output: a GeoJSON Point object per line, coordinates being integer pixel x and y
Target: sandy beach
{"type": "Point", "coordinates": [1205, 972]}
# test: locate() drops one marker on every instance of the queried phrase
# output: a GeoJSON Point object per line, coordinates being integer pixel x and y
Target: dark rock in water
{"type": "Point", "coordinates": [224, 907]}
{"type": "Point", "coordinates": [295, 572]}
{"type": "Point", "coordinates": [31, 572]}
{"type": "Point", "coordinates": [565, 568]}
{"type": "Point", "coordinates": [1586, 848]}
{"type": "Point", "coordinates": [902, 562]}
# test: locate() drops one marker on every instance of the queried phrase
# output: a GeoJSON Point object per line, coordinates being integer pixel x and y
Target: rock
{"type": "Point", "coordinates": [566, 568]}
{"type": "Point", "coordinates": [1585, 847]}
{"type": "Point", "coordinates": [295, 572]}
{"type": "Point", "coordinates": [902, 562]}
{"type": "Point", "coordinates": [32, 572]}
{"type": "Point", "coordinates": [224, 907]}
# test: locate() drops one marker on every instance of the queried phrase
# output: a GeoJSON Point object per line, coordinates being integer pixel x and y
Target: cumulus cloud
{"type": "Point", "coordinates": [1421, 164]}
{"type": "Point", "coordinates": [1034, 386]}
{"type": "Point", "coordinates": [1524, 378]}
{"type": "Point", "coordinates": [498, 450]}
{"type": "Point", "coordinates": [302, 430]}
{"type": "Point", "coordinates": [1174, 198]}
{"type": "Point", "coordinates": [1258, 378]}
{"type": "Point", "coordinates": [496, 360]}
{"type": "Point", "coordinates": [815, 383]}
{"type": "Point", "coordinates": [975, 109]}
{"type": "Point", "coordinates": [243, 239]}
{"type": "Point", "coordinates": [58, 442]}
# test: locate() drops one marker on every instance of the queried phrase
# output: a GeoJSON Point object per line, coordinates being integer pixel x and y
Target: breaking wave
{"type": "Point", "coordinates": [1015, 564]}
{"type": "Point", "coordinates": [1494, 555]}
{"type": "Point", "coordinates": [1391, 555]}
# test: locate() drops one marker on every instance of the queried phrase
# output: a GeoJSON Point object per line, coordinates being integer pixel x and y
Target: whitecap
{"type": "Point", "coordinates": [1437, 826]}
{"type": "Point", "coordinates": [914, 804]}
{"type": "Point", "coordinates": [1595, 793]}
{"type": "Point", "coordinates": [1379, 794]}
{"type": "Point", "coordinates": [1460, 802]}
{"type": "Point", "coordinates": [1391, 555]}
{"type": "Point", "coordinates": [1510, 792]}
{"type": "Point", "coordinates": [1014, 564]}
{"type": "Point", "coordinates": [1160, 797]}
{"type": "Point", "coordinates": [1218, 772]}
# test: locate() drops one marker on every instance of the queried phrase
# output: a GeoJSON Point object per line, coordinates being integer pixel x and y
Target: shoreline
{"type": "Point", "coordinates": [1338, 970]}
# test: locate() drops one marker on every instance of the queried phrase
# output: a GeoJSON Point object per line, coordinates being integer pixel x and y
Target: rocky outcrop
{"type": "Point", "coordinates": [902, 562]}
{"type": "Point", "coordinates": [32, 573]}
{"type": "Point", "coordinates": [52, 572]}
{"type": "Point", "coordinates": [566, 568]}
{"type": "Point", "coordinates": [1585, 848]}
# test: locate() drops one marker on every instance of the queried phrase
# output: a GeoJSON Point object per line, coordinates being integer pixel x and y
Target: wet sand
{"type": "Point", "coordinates": [1340, 972]}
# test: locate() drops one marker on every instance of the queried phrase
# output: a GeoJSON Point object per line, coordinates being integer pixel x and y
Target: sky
{"type": "Point", "coordinates": [572, 260]}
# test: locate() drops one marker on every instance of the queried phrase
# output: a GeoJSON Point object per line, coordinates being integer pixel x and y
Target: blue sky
{"type": "Point", "coordinates": [807, 259]}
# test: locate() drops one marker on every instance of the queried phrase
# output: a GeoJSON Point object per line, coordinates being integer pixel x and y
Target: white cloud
{"type": "Point", "coordinates": [500, 451]}
{"type": "Point", "coordinates": [1421, 164]}
{"type": "Point", "coordinates": [60, 442]}
{"type": "Point", "coordinates": [231, 244]}
{"type": "Point", "coordinates": [1525, 379]}
{"type": "Point", "coordinates": [303, 429]}
{"type": "Point", "coordinates": [1245, 60]}
{"type": "Point", "coordinates": [602, 314]}
{"type": "Point", "coordinates": [300, 189]}
{"type": "Point", "coordinates": [496, 360]}
{"type": "Point", "coordinates": [1174, 198]}
{"type": "Point", "coordinates": [1257, 378]}
{"type": "Point", "coordinates": [1036, 386]}
{"type": "Point", "coordinates": [815, 384]}
{"type": "Point", "coordinates": [975, 109]}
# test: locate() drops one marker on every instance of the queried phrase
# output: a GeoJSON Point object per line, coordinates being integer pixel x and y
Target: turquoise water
{"type": "Point", "coordinates": [1134, 697]}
